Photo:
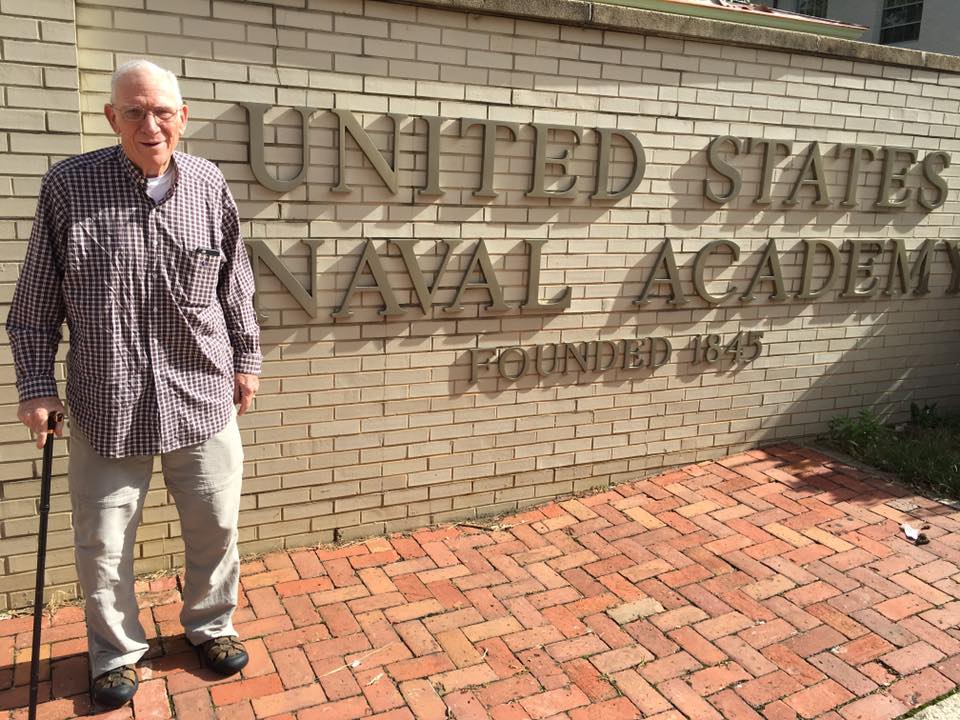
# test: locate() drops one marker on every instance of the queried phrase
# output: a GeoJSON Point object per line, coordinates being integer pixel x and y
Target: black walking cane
{"type": "Point", "coordinates": [52, 421]}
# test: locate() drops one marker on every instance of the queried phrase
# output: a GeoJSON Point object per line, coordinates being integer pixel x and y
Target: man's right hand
{"type": "Point", "coordinates": [34, 413]}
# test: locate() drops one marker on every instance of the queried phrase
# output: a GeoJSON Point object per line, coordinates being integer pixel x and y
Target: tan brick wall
{"type": "Point", "coordinates": [39, 125]}
{"type": "Point", "coordinates": [366, 425]}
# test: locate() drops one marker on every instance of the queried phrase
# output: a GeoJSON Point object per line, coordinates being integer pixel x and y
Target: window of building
{"type": "Point", "coordinates": [900, 21]}
{"type": "Point", "coordinates": [815, 8]}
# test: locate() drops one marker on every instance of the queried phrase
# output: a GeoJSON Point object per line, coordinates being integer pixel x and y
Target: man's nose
{"type": "Point", "coordinates": [149, 122]}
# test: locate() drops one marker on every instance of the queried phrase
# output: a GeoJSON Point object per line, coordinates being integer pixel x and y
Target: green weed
{"type": "Point", "coordinates": [924, 451]}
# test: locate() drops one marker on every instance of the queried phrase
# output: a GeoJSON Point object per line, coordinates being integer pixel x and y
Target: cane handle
{"type": "Point", "coordinates": [53, 419]}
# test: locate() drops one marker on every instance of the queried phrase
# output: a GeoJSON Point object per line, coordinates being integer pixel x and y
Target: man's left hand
{"type": "Point", "coordinates": [244, 389]}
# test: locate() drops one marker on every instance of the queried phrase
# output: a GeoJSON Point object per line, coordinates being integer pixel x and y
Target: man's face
{"type": "Point", "coordinates": [147, 140]}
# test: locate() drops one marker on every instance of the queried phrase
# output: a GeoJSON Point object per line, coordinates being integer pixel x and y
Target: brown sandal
{"type": "Point", "coordinates": [224, 655]}
{"type": "Point", "coordinates": [114, 688]}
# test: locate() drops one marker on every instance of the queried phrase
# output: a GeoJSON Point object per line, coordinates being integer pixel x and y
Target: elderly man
{"type": "Point", "coordinates": [138, 248]}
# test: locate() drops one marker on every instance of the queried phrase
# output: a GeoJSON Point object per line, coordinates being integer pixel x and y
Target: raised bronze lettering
{"type": "Point", "coordinates": [558, 352]}
{"type": "Point", "coordinates": [580, 353]}
{"type": "Point", "coordinates": [432, 189]}
{"type": "Point", "coordinates": [813, 162]}
{"type": "Point", "coordinates": [260, 252]}
{"type": "Point", "coordinates": [809, 256]}
{"type": "Point", "coordinates": [892, 179]}
{"type": "Point", "coordinates": [371, 260]}
{"type": "Point", "coordinates": [723, 168]}
{"type": "Point", "coordinates": [919, 274]}
{"type": "Point", "coordinates": [349, 125]}
{"type": "Point", "coordinates": [503, 361]}
{"type": "Point", "coordinates": [600, 346]}
{"type": "Point", "coordinates": [424, 296]}
{"type": "Point", "coordinates": [770, 150]}
{"type": "Point", "coordinates": [931, 174]}
{"type": "Point", "coordinates": [700, 264]}
{"type": "Point", "coordinates": [665, 348]}
{"type": "Point", "coordinates": [857, 152]}
{"type": "Point", "coordinates": [538, 188]}
{"type": "Point", "coordinates": [559, 303]}
{"type": "Point", "coordinates": [476, 362]}
{"type": "Point", "coordinates": [490, 128]}
{"type": "Point", "coordinates": [631, 353]}
{"type": "Point", "coordinates": [665, 258]}
{"type": "Point", "coordinates": [256, 149]}
{"type": "Point", "coordinates": [856, 268]}
{"type": "Point", "coordinates": [603, 164]}
{"type": "Point", "coordinates": [480, 260]}
{"type": "Point", "coordinates": [953, 252]}
{"type": "Point", "coordinates": [770, 258]}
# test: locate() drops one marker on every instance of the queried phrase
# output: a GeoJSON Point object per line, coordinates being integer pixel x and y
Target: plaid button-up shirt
{"type": "Point", "coordinates": [157, 298]}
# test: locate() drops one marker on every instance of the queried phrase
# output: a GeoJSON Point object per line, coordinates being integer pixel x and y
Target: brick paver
{"type": "Point", "coordinates": [772, 584]}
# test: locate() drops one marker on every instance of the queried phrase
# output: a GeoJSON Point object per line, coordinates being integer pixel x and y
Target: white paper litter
{"type": "Point", "coordinates": [911, 532]}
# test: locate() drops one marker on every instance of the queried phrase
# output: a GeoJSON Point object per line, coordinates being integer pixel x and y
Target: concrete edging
{"type": "Point", "coordinates": [603, 16]}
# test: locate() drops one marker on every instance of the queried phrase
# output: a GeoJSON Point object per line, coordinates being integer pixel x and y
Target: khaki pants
{"type": "Point", "coordinates": [107, 495]}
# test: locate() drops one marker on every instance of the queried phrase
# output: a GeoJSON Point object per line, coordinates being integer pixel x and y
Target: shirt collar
{"type": "Point", "coordinates": [136, 174]}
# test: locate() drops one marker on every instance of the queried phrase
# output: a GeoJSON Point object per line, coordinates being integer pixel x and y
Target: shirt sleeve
{"type": "Point", "coordinates": [235, 292]}
{"type": "Point", "coordinates": [37, 311]}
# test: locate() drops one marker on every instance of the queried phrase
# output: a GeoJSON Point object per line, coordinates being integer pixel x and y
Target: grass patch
{"type": "Point", "coordinates": [924, 451]}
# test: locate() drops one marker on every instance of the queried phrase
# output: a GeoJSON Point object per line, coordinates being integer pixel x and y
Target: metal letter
{"type": "Point", "coordinates": [255, 112]}
{"type": "Point", "coordinates": [953, 252]}
{"type": "Point", "coordinates": [614, 351]}
{"type": "Point", "coordinates": [424, 296]}
{"type": "Point", "coordinates": [665, 258]}
{"type": "Point", "coordinates": [475, 362]}
{"type": "Point", "coordinates": [854, 268]}
{"type": "Point", "coordinates": [490, 283]}
{"type": "Point", "coordinates": [814, 161]}
{"type": "Point", "coordinates": [919, 270]}
{"type": "Point", "coordinates": [559, 303]}
{"type": "Point", "coordinates": [432, 189]}
{"type": "Point", "coordinates": [603, 164]}
{"type": "Point", "coordinates": [853, 170]}
{"type": "Point", "coordinates": [665, 346]}
{"type": "Point", "coordinates": [350, 124]}
{"type": "Point", "coordinates": [371, 259]}
{"type": "Point", "coordinates": [890, 180]}
{"type": "Point", "coordinates": [580, 355]}
{"type": "Point", "coordinates": [770, 148]}
{"type": "Point", "coordinates": [932, 176]}
{"type": "Point", "coordinates": [631, 353]}
{"type": "Point", "coordinates": [772, 258]}
{"type": "Point", "coordinates": [523, 362]}
{"type": "Point", "coordinates": [809, 255]}
{"type": "Point", "coordinates": [489, 150]}
{"type": "Point", "coordinates": [700, 264]}
{"type": "Point", "coordinates": [540, 161]}
{"type": "Point", "coordinates": [724, 168]}
{"type": "Point", "coordinates": [557, 354]}
{"type": "Point", "coordinates": [309, 301]}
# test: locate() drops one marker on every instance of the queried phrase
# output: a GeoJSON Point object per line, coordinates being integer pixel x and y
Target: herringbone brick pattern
{"type": "Point", "coordinates": [775, 584]}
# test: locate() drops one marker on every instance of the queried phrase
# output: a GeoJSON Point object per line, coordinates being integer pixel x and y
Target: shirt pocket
{"type": "Point", "coordinates": [199, 275]}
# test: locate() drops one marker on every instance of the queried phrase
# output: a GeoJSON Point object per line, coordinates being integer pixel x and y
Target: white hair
{"type": "Point", "coordinates": [134, 67]}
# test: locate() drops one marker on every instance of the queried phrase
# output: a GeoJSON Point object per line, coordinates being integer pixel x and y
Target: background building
{"type": "Point", "coordinates": [920, 24]}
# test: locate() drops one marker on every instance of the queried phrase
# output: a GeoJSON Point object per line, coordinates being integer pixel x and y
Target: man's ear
{"type": "Point", "coordinates": [111, 116]}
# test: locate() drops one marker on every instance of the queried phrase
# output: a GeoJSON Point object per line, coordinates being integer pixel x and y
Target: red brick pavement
{"type": "Point", "coordinates": [771, 585]}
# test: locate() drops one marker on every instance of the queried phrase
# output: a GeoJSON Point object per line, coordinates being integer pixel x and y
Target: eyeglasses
{"type": "Point", "coordinates": [137, 114]}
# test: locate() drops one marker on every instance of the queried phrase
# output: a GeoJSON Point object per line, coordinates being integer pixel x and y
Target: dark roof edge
{"type": "Point", "coordinates": [634, 20]}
